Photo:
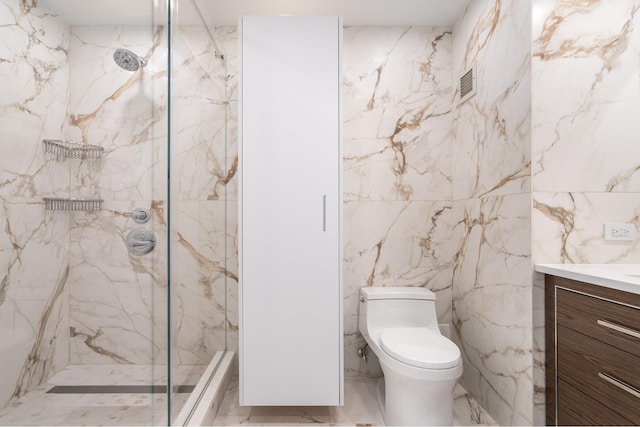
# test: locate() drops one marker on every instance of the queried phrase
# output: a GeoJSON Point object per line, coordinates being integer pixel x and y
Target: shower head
{"type": "Point", "coordinates": [128, 60]}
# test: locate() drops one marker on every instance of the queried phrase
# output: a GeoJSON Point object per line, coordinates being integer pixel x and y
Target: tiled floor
{"type": "Point", "coordinates": [40, 408]}
{"type": "Point", "coordinates": [360, 409]}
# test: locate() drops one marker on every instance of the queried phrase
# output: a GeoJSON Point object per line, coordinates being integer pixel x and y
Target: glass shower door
{"type": "Point", "coordinates": [84, 142]}
{"type": "Point", "coordinates": [202, 177]}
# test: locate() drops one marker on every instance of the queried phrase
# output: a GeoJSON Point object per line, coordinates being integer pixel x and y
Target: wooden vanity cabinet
{"type": "Point", "coordinates": [592, 354]}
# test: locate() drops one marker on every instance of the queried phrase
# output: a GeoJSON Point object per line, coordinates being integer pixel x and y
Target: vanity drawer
{"type": "Point", "coordinates": [594, 368]}
{"type": "Point", "coordinates": [578, 409]}
{"type": "Point", "coordinates": [609, 322]}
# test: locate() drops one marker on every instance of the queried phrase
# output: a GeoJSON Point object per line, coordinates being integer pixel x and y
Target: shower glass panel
{"type": "Point", "coordinates": [114, 280]}
{"type": "Point", "coordinates": [83, 320]}
{"type": "Point", "coordinates": [203, 250]}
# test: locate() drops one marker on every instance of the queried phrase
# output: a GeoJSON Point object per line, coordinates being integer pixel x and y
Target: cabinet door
{"type": "Point", "coordinates": [291, 320]}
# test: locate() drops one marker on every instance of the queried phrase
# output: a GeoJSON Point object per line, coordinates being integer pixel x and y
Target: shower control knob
{"type": "Point", "coordinates": [140, 241]}
{"type": "Point", "coordinates": [141, 215]}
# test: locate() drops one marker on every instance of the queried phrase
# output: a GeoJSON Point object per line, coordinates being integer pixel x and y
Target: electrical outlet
{"type": "Point", "coordinates": [619, 231]}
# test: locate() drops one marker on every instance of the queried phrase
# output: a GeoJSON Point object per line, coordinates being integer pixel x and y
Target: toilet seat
{"type": "Point", "coordinates": [420, 347]}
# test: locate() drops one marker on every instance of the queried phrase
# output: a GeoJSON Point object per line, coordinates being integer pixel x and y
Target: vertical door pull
{"type": "Point", "coordinates": [324, 212]}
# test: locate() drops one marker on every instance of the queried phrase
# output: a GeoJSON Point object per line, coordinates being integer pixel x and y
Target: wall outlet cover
{"type": "Point", "coordinates": [619, 231]}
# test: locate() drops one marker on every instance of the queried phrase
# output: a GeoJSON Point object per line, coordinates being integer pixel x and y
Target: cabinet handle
{"type": "Point", "coordinates": [324, 212]}
{"type": "Point", "coordinates": [620, 384]}
{"type": "Point", "coordinates": [618, 328]}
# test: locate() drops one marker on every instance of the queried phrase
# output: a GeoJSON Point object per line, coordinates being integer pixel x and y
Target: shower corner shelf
{"type": "Point", "coordinates": [71, 149]}
{"type": "Point", "coordinates": [88, 205]}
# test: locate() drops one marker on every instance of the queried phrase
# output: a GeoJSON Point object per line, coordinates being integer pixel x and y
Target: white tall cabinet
{"type": "Point", "coordinates": [290, 211]}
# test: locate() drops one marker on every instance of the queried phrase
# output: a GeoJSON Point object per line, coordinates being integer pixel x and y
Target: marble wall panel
{"type": "Point", "coordinates": [492, 300]}
{"type": "Point", "coordinates": [121, 111]}
{"type": "Point", "coordinates": [396, 112]}
{"type": "Point", "coordinates": [118, 300]}
{"type": "Point", "coordinates": [34, 318]}
{"type": "Point", "coordinates": [34, 247]}
{"type": "Point", "coordinates": [569, 227]}
{"type": "Point", "coordinates": [34, 53]}
{"type": "Point", "coordinates": [204, 161]}
{"type": "Point", "coordinates": [586, 95]}
{"type": "Point", "coordinates": [203, 307]}
{"type": "Point", "coordinates": [492, 278]}
{"type": "Point", "coordinates": [491, 152]}
{"type": "Point", "coordinates": [126, 111]}
{"type": "Point", "coordinates": [205, 114]}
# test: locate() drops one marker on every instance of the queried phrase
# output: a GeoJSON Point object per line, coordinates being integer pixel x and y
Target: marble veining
{"type": "Point", "coordinates": [491, 209]}
{"type": "Point", "coordinates": [568, 227]}
{"type": "Point", "coordinates": [397, 118]}
{"type": "Point", "coordinates": [585, 58]}
{"type": "Point", "coordinates": [34, 250]}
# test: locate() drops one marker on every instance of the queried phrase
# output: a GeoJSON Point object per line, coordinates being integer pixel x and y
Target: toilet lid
{"type": "Point", "coordinates": [420, 347]}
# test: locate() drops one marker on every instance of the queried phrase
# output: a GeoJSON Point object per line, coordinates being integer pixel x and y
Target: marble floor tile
{"type": "Point", "coordinates": [468, 412]}
{"type": "Point", "coordinates": [360, 409]}
{"type": "Point", "coordinates": [39, 408]}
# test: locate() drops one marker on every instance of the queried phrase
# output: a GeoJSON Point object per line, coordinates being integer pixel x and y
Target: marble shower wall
{"type": "Point", "coordinates": [492, 283]}
{"type": "Point", "coordinates": [397, 169]}
{"type": "Point", "coordinates": [34, 245]}
{"type": "Point", "coordinates": [118, 301]}
{"type": "Point", "coordinates": [586, 101]}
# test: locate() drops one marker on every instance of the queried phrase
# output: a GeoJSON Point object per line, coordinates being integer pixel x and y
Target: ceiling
{"type": "Point", "coordinates": [226, 12]}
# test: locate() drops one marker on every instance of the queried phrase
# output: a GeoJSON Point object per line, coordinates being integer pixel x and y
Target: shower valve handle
{"type": "Point", "coordinates": [141, 215]}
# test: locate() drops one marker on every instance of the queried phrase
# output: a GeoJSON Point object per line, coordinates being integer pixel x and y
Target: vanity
{"type": "Point", "coordinates": [592, 338]}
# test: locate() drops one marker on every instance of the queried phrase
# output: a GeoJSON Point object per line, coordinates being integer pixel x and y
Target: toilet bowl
{"type": "Point", "coordinates": [420, 365]}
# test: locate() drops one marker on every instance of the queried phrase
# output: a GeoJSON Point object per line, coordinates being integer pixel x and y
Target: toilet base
{"type": "Point", "coordinates": [380, 394]}
{"type": "Point", "coordinates": [411, 402]}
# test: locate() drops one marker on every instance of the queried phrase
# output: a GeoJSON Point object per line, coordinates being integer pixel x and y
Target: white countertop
{"type": "Point", "coordinates": [624, 277]}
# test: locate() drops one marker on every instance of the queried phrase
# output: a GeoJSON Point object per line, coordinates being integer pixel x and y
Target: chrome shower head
{"type": "Point", "coordinates": [128, 60]}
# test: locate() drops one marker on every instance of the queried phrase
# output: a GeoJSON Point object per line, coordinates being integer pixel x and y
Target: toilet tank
{"type": "Point", "coordinates": [383, 307]}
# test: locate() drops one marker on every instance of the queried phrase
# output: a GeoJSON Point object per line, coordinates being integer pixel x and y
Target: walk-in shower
{"type": "Point", "coordinates": [92, 333]}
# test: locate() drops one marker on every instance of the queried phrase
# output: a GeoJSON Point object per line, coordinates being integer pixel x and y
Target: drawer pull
{"type": "Point", "coordinates": [621, 385]}
{"type": "Point", "coordinates": [618, 328]}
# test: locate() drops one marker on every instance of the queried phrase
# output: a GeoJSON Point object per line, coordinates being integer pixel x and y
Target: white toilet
{"type": "Point", "coordinates": [420, 365]}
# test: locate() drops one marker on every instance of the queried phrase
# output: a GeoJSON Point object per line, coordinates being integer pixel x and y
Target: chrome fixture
{"type": "Point", "coordinates": [140, 241]}
{"type": "Point", "coordinates": [128, 60]}
{"type": "Point", "coordinates": [141, 215]}
{"type": "Point", "coordinates": [362, 352]}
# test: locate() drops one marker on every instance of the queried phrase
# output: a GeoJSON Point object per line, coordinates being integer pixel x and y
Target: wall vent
{"type": "Point", "coordinates": [467, 84]}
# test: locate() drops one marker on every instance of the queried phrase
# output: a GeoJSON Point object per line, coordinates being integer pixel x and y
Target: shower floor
{"type": "Point", "coordinates": [360, 409]}
{"type": "Point", "coordinates": [109, 409]}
